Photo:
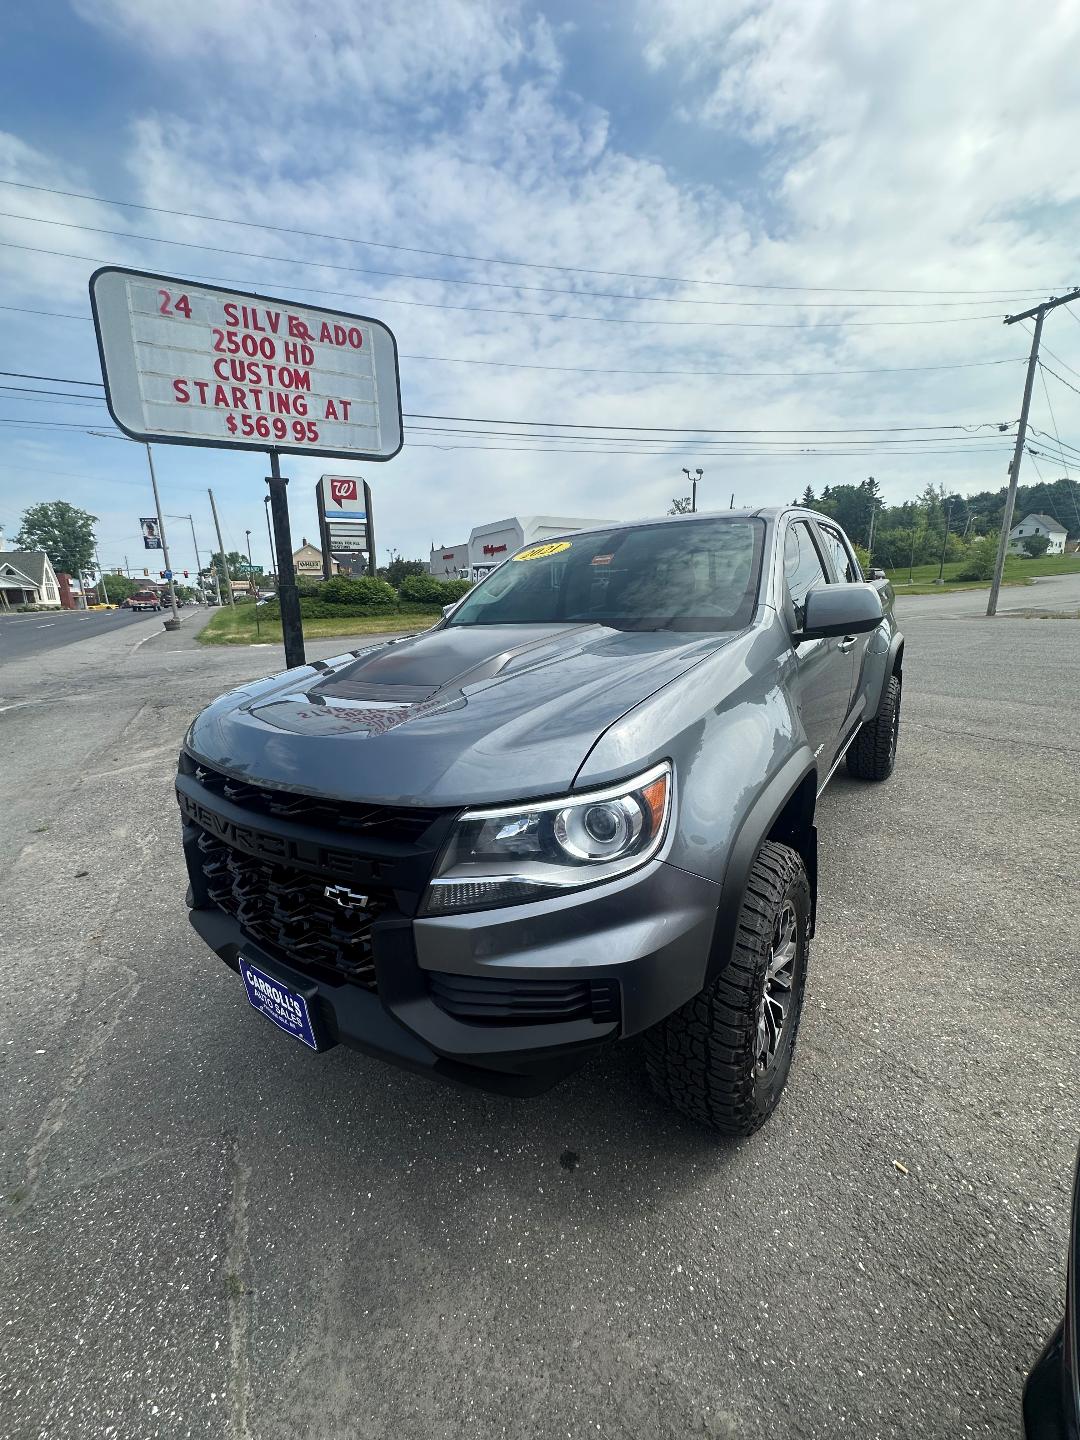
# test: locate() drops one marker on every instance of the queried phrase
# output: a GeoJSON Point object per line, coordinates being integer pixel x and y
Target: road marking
{"type": "Point", "coordinates": [48, 625]}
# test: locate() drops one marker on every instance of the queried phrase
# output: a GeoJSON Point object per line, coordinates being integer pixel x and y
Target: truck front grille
{"type": "Point", "coordinates": [288, 911]}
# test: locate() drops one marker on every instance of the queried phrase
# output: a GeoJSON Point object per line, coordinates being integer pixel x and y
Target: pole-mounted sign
{"type": "Point", "coordinates": [346, 522]}
{"type": "Point", "coordinates": [190, 364]}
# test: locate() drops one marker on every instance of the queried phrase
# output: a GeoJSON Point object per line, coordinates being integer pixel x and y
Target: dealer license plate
{"type": "Point", "coordinates": [278, 1003]}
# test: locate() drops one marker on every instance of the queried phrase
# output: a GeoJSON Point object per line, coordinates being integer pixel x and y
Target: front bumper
{"type": "Point", "coordinates": [647, 935]}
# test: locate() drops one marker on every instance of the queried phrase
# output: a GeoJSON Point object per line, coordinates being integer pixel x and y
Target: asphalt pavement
{"type": "Point", "coordinates": [208, 1231]}
{"type": "Point", "coordinates": [32, 634]}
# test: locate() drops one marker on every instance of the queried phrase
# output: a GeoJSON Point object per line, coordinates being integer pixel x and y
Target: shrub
{"type": "Point", "coordinates": [428, 590]}
{"type": "Point", "coordinates": [363, 593]}
{"type": "Point", "coordinates": [981, 560]}
{"type": "Point", "coordinates": [1036, 545]}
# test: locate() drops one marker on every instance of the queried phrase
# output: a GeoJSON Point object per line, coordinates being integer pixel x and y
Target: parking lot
{"type": "Point", "coordinates": [210, 1232]}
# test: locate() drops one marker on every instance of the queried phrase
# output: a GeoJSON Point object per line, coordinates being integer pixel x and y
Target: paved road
{"type": "Point", "coordinates": [25, 635]}
{"type": "Point", "coordinates": [209, 1232]}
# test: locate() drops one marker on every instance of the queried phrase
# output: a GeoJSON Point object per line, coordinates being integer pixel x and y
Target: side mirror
{"type": "Point", "coordinates": [840, 610]}
{"type": "Point", "coordinates": [448, 610]}
{"type": "Point", "coordinates": [874, 573]}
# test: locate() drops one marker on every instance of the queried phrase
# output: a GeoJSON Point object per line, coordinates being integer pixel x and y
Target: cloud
{"type": "Point", "coordinates": [888, 147]}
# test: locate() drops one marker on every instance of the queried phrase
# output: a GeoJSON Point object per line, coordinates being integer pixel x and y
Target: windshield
{"type": "Point", "coordinates": [690, 575]}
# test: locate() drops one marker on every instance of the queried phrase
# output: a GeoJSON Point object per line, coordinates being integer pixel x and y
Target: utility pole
{"type": "Point", "coordinates": [101, 573]}
{"type": "Point", "coordinates": [221, 552]}
{"type": "Point", "coordinates": [194, 542]}
{"type": "Point", "coordinates": [945, 544]}
{"type": "Point", "coordinates": [175, 622]}
{"type": "Point", "coordinates": [1039, 312]}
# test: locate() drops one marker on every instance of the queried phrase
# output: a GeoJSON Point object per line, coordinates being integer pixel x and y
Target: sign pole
{"type": "Point", "coordinates": [292, 628]}
{"type": "Point", "coordinates": [370, 529]}
{"type": "Point", "coordinates": [175, 623]}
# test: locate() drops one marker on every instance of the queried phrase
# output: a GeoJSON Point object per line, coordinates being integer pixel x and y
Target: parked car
{"type": "Point", "coordinates": [1052, 1392]}
{"type": "Point", "coordinates": [144, 600]}
{"type": "Point", "coordinates": [582, 807]}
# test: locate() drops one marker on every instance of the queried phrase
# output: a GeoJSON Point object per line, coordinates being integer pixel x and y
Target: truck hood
{"type": "Point", "coordinates": [455, 716]}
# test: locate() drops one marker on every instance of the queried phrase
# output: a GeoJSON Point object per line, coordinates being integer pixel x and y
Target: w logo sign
{"type": "Point", "coordinates": [342, 489]}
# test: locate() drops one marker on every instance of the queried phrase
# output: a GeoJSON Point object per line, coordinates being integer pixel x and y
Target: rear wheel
{"type": "Point", "coordinates": [723, 1057]}
{"type": "Point", "coordinates": [873, 751]}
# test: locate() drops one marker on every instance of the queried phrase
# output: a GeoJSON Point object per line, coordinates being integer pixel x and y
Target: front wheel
{"type": "Point", "coordinates": [723, 1057]}
{"type": "Point", "coordinates": [872, 755]}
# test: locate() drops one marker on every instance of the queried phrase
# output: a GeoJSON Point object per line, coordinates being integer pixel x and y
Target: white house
{"type": "Point", "coordinates": [1038, 525]}
{"type": "Point", "coordinates": [27, 578]}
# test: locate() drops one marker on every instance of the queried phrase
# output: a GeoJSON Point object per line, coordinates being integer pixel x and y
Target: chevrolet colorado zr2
{"type": "Point", "coordinates": [580, 808]}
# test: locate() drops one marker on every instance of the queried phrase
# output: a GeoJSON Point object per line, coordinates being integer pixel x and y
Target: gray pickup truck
{"type": "Point", "coordinates": [581, 808]}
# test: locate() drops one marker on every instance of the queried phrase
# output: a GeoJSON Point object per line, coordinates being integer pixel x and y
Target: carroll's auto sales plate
{"type": "Point", "coordinates": [278, 1003]}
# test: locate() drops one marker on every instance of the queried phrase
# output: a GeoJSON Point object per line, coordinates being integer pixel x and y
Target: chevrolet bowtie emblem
{"type": "Point", "coordinates": [345, 897]}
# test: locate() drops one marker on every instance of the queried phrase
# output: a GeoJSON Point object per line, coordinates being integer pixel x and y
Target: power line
{"type": "Point", "coordinates": [599, 370]}
{"type": "Point", "coordinates": [528, 314]}
{"type": "Point", "coordinates": [576, 425]}
{"type": "Point", "coordinates": [487, 284]}
{"type": "Point", "coordinates": [697, 429]}
{"type": "Point", "coordinates": [494, 260]}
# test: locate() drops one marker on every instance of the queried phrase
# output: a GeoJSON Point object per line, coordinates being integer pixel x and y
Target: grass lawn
{"type": "Point", "coordinates": [1018, 571]}
{"type": "Point", "coordinates": [235, 625]}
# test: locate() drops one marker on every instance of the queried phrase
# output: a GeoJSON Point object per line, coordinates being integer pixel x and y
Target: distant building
{"type": "Point", "coordinates": [308, 562]}
{"type": "Point", "coordinates": [27, 578]}
{"type": "Point", "coordinates": [450, 562]}
{"type": "Point", "coordinates": [1038, 525]}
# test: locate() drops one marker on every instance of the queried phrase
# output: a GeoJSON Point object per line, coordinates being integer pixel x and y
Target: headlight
{"type": "Point", "coordinates": [525, 852]}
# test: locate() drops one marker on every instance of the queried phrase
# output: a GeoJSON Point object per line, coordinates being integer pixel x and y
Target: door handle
{"type": "Point", "coordinates": [846, 643]}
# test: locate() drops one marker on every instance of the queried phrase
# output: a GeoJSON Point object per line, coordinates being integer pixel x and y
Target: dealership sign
{"type": "Point", "coordinates": [189, 364]}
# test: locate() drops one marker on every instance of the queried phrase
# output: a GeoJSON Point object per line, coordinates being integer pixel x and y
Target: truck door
{"type": "Point", "coordinates": [824, 674]}
{"type": "Point", "coordinates": [845, 570]}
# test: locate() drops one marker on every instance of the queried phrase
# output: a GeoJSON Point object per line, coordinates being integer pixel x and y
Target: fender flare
{"type": "Point", "coordinates": [752, 834]}
{"type": "Point", "coordinates": [893, 664]}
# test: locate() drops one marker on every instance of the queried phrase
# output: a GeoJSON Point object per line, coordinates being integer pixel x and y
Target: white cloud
{"type": "Point", "coordinates": [897, 148]}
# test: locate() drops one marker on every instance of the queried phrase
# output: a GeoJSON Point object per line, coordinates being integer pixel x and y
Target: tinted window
{"type": "Point", "coordinates": [845, 564]}
{"type": "Point", "coordinates": [803, 568]}
{"type": "Point", "coordinates": [688, 575]}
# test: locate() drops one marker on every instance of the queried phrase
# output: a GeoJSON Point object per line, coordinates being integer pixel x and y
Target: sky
{"type": "Point", "coordinates": [771, 216]}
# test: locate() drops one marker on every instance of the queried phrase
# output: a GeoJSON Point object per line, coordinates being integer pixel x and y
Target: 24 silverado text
{"type": "Point", "coordinates": [580, 808]}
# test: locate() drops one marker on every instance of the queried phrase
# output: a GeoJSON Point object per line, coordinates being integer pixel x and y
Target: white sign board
{"type": "Point", "coordinates": [343, 497]}
{"type": "Point", "coordinates": [188, 364]}
{"type": "Point", "coordinates": [351, 542]}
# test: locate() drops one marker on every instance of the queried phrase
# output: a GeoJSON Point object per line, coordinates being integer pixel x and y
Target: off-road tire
{"type": "Point", "coordinates": [703, 1058]}
{"type": "Point", "coordinates": [873, 751]}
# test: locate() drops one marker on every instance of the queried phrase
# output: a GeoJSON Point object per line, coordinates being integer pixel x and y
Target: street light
{"type": "Point", "coordinates": [694, 478]}
{"type": "Point", "coordinates": [251, 580]}
{"type": "Point", "coordinates": [270, 533]}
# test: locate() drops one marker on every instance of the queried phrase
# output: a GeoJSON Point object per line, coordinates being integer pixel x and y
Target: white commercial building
{"type": "Point", "coordinates": [449, 562]}
{"type": "Point", "coordinates": [489, 545]}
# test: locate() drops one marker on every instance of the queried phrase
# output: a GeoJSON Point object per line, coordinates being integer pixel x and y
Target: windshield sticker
{"type": "Point", "coordinates": [541, 552]}
{"type": "Point", "coordinates": [602, 559]}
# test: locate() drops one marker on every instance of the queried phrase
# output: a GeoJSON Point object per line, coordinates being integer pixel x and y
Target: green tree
{"type": "Point", "coordinates": [399, 568]}
{"type": "Point", "coordinates": [63, 531]}
{"type": "Point", "coordinates": [809, 499]}
{"type": "Point", "coordinates": [680, 505]}
{"type": "Point", "coordinates": [120, 588]}
{"type": "Point", "coordinates": [981, 560]}
{"type": "Point", "coordinates": [1036, 545]}
{"type": "Point", "coordinates": [232, 566]}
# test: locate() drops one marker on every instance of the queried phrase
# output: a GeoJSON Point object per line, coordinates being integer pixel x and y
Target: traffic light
{"type": "Point", "coordinates": [185, 574]}
{"type": "Point", "coordinates": [162, 574]}
{"type": "Point", "coordinates": [146, 572]}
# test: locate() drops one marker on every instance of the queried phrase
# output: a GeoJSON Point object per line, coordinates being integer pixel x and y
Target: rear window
{"type": "Point", "coordinates": [687, 575]}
